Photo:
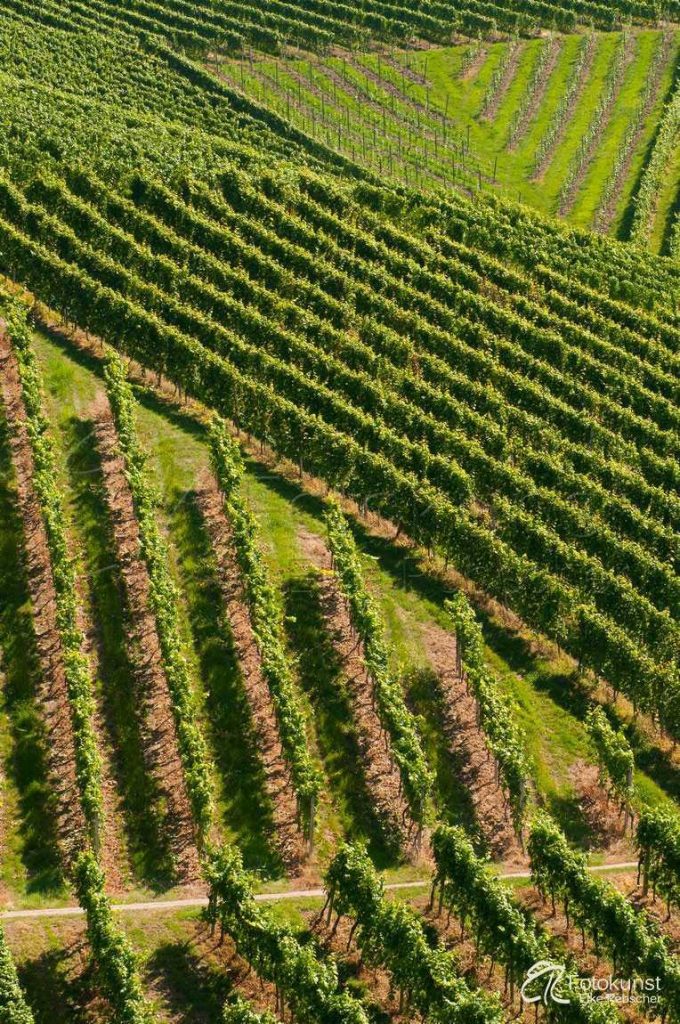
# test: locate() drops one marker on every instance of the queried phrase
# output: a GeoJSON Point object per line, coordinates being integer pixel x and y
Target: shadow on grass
{"type": "Point", "coordinates": [54, 996]}
{"type": "Point", "coordinates": [194, 988]}
{"type": "Point", "coordinates": [24, 761]}
{"type": "Point", "coordinates": [321, 678]}
{"type": "Point", "coordinates": [247, 807]}
{"type": "Point", "coordinates": [143, 821]}
{"type": "Point", "coordinates": [453, 802]}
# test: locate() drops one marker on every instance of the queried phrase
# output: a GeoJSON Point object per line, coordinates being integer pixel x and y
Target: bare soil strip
{"type": "Point", "coordinates": [491, 108]}
{"type": "Point", "coordinates": [52, 693]}
{"type": "Point", "coordinates": [278, 780]}
{"type": "Point", "coordinates": [570, 198]}
{"type": "Point", "coordinates": [161, 748]}
{"type": "Point", "coordinates": [567, 115]}
{"type": "Point", "coordinates": [538, 93]}
{"type": "Point", "coordinates": [472, 69]}
{"type": "Point", "coordinates": [605, 215]}
{"type": "Point", "coordinates": [466, 743]}
{"type": "Point", "coordinates": [604, 816]}
{"type": "Point", "coordinates": [380, 770]}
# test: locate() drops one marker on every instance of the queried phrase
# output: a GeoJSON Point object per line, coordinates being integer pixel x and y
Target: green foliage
{"type": "Point", "coordinates": [503, 930]}
{"type": "Point", "coordinates": [627, 936]}
{"type": "Point", "coordinates": [308, 984]}
{"type": "Point", "coordinates": [239, 1012]}
{"type": "Point", "coordinates": [265, 611]}
{"type": "Point", "coordinates": [116, 962]}
{"type": "Point", "coordinates": [391, 936]}
{"type": "Point", "coordinates": [514, 565]}
{"type": "Point", "coordinates": [652, 180]}
{"type": "Point", "coordinates": [45, 484]}
{"type": "Point", "coordinates": [614, 755]}
{"type": "Point", "coordinates": [13, 1006]}
{"type": "Point", "coordinates": [163, 597]}
{"type": "Point", "coordinates": [395, 717]}
{"type": "Point", "coordinates": [497, 719]}
{"type": "Point", "coordinates": [658, 842]}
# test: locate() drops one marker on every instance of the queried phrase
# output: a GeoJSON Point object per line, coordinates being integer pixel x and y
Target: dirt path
{"type": "Point", "coordinates": [474, 65]}
{"type": "Point", "coordinates": [380, 770]}
{"type": "Point", "coordinates": [278, 780]}
{"type": "Point", "coordinates": [466, 743]}
{"type": "Point", "coordinates": [161, 747]}
{"type": "Point", "coordinates": [190, 902]}
{"type": "Point", "coordinates": [52, 695]}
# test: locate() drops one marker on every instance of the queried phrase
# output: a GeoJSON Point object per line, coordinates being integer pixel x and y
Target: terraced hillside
{"type": "Point", "coordinates": [338, 521]}
{"type": "Point", "coordinates": [567, 123]}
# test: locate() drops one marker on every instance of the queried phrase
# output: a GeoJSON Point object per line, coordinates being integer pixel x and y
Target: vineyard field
{"type": "Point", "coordinates": [419, 118]}
{"type": "Point", "coordinates": [339, 512]}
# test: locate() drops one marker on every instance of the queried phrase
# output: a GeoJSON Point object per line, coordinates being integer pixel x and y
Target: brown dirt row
{"type": "Point", "coordinates": [491, 108]}
{"type": "Point", "coordinates": [112, 853]}
{"type": "Point", "coordinates": [538, 94]}
{"type": "Point", "coordinates": [604, 817]}
{"type": "Point", "coordinates": [52, 692]}
{"type": "Point", "coordinates": [472, 69]}
{"type": "Point", "coordinates": [466, 743]}
{"type": "Point", "coordinates": [589, 963]}
{"type": "Point", "coordinates": [380, 770]}
{"type": "Point", "coordinates": [186, 973]}
{"type": "Point", "coordinates": [431, 565]}
{"type": "Point", "coordinates": [278, 780]}
{"type": "Point", "coordinates": [160, 736]}
{"type": "Point", "coordinates": [587, 158]}
{"type": "Point", "coordinates": [606, 213]}
{"type": "Point", "coordinates": [565, 120]}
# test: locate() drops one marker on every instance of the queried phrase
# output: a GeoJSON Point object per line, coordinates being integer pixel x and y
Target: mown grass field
{"type": "Point", "coordinates": [416, 116]}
